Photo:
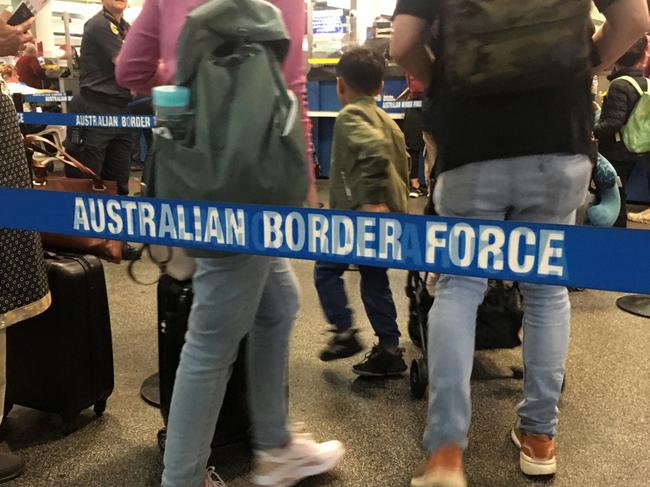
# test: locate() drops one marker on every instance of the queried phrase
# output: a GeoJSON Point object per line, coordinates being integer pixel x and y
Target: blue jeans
{"type": "Point", "coordinates": [233, 297]}
{"type": "Point", "coordinates": [375, 293]}
{"type": "Point", "coordinates": [542, 189]}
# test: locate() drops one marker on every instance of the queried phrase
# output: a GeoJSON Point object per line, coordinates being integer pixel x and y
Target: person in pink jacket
{"type": "Point", "coordinates": [234, 296]}
{"type": "Point", "coordinates": [152, 59]}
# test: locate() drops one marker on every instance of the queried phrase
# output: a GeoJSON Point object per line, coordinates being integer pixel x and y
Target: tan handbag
{"type": "Point", "coordinates": [110, 250]}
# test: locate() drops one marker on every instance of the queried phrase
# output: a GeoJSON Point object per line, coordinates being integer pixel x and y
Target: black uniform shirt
{"type": "Point", "coordinates": [101, 43]}
{"type": "Point", "coordinates": [555, 120]}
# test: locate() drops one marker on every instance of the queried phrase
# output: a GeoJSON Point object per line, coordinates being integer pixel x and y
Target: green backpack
{"type": "Point", "coordinates": [636, 132]}
{"type": "Point", "coordinates": [245, 142]}
{"type": "Point", "coordinates": [492, 47]}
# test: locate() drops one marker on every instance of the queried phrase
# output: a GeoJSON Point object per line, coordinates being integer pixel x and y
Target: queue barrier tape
{"type": "Point", "coordinates": [62, 97]}
{"type": "Point", "coordinates": [391, 105]}
{"type": "Point", "coordinates": [48, 98]}
{"type": "Point", "coordinates": [574, 256]}
{"type": "Point", "coordinates": [122, 121]}
{"type": "Point", "coordinates": [111, 120]}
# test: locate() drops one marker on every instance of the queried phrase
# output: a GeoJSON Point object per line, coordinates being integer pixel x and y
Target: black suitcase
{"type": "Point", "coordinates": [174, 304]}
{"type": "Point", "coordinates": [62, 360]}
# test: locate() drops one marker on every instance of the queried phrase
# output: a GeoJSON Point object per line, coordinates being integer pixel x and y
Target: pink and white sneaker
{"type": "Point", "coordinates": [301, 458]}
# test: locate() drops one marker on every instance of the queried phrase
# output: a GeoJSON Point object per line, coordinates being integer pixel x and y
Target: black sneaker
{"type": "Point", "coordinates": [414, 192]}
{"type": "Point", "coordinates": [342, 345]}
{"type": "Point", "coordinates": [381, 362]}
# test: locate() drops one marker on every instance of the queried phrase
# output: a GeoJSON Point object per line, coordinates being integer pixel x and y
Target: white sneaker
{"type": "Point", "coordinates": [301, 458]}
{"type": "Point", "coordinates": [212, 479]}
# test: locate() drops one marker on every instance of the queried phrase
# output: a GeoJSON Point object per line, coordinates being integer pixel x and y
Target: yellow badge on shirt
{"type": "Point", "coordinates": [114, 29]}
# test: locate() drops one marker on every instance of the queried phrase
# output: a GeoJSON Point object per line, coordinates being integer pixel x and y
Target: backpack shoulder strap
{"type": "Point", "coordinates": [217, 22]}
{"type": "Point", "coordinates": [634, 83]}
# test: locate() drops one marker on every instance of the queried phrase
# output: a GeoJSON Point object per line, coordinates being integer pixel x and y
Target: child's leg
{"type": "Point", "coordinates": [385, 359]}
{"type": "Point", "coordinates": [334, 301]}
{"type": "Point", "coordinates": [331, 292]}
{"type": "Point", "coordinates": [378, 302]}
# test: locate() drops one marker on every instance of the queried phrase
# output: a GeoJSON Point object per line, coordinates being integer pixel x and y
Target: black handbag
{"type": "Point", "coordinates": [499, 317]}
{"type": "Point", "coordinates": [498, 320]}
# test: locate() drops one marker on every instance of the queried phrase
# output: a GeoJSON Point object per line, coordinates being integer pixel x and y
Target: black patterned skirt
{"type": "Point", "coordinates": [24, 290]}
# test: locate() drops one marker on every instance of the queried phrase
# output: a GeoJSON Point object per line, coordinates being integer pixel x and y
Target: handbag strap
{"type": "Point", "coordinates": [162, 266]}
{"type": "Point", "coordinates": [61, 155]}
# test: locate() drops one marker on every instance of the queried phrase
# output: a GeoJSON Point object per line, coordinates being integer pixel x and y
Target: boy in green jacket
{"type": "Point", "coordinates": [370, 169]}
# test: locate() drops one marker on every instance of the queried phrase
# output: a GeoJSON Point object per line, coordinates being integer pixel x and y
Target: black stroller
{"type": "Point", "coordinates": [498, 323]}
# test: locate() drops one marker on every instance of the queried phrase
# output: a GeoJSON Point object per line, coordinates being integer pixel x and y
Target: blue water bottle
{"type": "Point", "coordinates": [173, 112]}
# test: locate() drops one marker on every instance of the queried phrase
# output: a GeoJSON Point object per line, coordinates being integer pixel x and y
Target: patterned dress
{"type": "Point", "coordinates": [24, 290]}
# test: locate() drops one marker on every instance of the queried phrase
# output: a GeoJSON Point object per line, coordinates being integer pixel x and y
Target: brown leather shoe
{"type": "Point", "coordinates": [11, 466]}
{"type": "Point", "coordinates": [443, 469]}
{"type": "Point", "coordinates": [537, 452]}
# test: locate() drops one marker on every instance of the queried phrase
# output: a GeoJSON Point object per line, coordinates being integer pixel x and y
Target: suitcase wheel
{"type": "Point", "coordinates": [419, 378]}
{"type": "Point", "coordinates": [100, 407]}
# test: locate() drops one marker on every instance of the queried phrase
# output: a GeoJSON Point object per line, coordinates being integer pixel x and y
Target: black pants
{"type": "Point", "coordinates": [375, 293]}
{"type": "Point", "coordinates": [106, 151]}
{"type": "Point", "coordinates": [413, 135]}
{"type": "Point", "coordinates": [624, 168]}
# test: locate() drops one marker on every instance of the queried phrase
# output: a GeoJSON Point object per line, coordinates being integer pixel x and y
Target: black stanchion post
{"type": "Point", "coordinates": [150, 390]}
{"type": "Point", "coordinates": [636, 304]}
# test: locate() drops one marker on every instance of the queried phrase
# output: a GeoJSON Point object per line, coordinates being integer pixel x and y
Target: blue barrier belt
{"type": "Point", "coordinates": [48, 98]}
{"type": "Point", "coordinates": [132, 121]}
{"type": "Point", "coordinates": [87, 120]}
{"type": "Point", "coordinates": [391, 105]}
{"type": "Point", "coordinates": [62, 97]}
{"type": "Point", "coordinates": [598, 258]}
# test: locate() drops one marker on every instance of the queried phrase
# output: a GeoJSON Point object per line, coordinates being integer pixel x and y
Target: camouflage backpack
{"type": "Point", "coordinates": [492, 47]}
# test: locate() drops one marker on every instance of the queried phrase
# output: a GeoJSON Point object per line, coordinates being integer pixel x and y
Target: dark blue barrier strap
{"type": "Point", "coordinates": [599, 258]}
{"type": "Point", "coordinates": [391, 105]}
{"type": "Point", "coordinates": [48, 98]}
{"type": "Point", "coordinates": [85, 120]}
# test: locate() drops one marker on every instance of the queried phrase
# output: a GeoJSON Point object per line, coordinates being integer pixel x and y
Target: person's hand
{"type": "Point", "coordinates": [13, 38]}
{"type": "Point", "coordinates": [381, 208]}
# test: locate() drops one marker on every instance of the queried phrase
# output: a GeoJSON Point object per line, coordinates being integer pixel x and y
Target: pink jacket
{"type": "Point", "coordinates": [646, 71]}
{"type": "Point", "coordinates": [148, 57]}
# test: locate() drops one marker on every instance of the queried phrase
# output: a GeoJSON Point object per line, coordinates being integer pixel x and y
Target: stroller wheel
{"type": "Point", "coordinates": [419, 378]}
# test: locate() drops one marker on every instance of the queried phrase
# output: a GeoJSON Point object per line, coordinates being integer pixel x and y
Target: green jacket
{"type": "Point", "coordinates": [370, 164]}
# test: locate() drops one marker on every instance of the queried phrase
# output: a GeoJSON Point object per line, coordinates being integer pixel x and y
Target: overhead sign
{"type": "Point", "coordinates": [328, 21]}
